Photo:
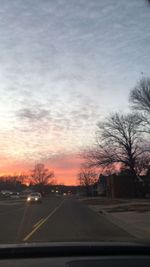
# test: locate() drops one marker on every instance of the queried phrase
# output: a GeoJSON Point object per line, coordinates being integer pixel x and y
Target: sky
{"type": "Point", "coordinates": [64, 66]}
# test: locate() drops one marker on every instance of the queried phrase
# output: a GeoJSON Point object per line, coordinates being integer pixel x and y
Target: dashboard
{"type": "Point", "coordinates": [75, 255]}
{"type": "Point", "coordinates": [125, 261]}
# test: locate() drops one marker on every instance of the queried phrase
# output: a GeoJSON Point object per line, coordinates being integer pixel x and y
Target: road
{"type": "Point", "coordinates": [56, 219]}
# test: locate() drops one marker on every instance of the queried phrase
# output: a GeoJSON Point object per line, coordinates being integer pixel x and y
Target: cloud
{"type": "Point", "coordinates": [33, 114]}
{"type": "Point", "coordinates": [58, 126]}
{"type": "Point", "coordinates": [71, 113]}
{"type": "Point", "coordinates": [64, 66]}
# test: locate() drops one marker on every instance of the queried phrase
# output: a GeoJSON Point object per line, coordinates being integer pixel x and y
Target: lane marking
{"type": "Point", "coordinates": [43, 221]}
{"type": "Point", "coordinates": [37, 223]}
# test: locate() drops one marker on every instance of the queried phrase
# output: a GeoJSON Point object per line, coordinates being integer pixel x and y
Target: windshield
{"type": "Point", "coordinates": [74, 121]}
{"type": "Point", "coordinates": [35, 194]}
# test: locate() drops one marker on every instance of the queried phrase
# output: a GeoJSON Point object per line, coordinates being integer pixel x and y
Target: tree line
{"type": "Point", "coordinates": [122, 139]}
{"type": "Point", "coordinates": [39, 177]}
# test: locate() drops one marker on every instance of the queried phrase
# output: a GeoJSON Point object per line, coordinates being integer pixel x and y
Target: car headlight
{"type": "Point", "coordinates": [28, 199]}
{"type": "Point", "coordinates": [36, 198]}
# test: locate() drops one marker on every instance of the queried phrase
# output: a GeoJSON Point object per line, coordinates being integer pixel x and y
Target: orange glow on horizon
{"type": "Point", "coordinates": [66, 178]}
{"type": "Point", "coordinates": [65, 168]}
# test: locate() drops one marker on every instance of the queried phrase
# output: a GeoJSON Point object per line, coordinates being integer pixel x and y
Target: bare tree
{"type": "Point", "coordinates": [40, 175]}
{"type": "Point", "coordinates": [87, 177]}
{"type": "Point", "coordinates": [140, 95]}
{"type": "Point", "coordinates": [22, 177]}
{"type": "Point", "coordinates": [143, 164]}
{"type": "Point", "coordinates": [118, 141]}
{"type": "Point", "coordinates": [140, 100]}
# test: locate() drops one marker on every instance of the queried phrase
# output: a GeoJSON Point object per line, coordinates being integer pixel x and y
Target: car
{"type": "Point", "coordinates": [6, 193]}
{"type": "Point", "coordinates": [34, 198]}
{"type": "Point", "coordinates": [15, 196]}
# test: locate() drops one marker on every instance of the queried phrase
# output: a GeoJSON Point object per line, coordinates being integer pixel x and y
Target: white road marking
{"type": "Point", "coordinates": [38, 223]}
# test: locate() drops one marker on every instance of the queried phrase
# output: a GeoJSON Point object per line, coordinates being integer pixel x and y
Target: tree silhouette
{"type": "Point", "coordinates": [41, 175]}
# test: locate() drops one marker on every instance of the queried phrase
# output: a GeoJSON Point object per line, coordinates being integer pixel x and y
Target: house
{"type": "Point", "coordinates": [120, 185]}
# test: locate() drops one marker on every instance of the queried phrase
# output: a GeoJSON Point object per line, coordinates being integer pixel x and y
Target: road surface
{"type": "Point", "coordinates": [56, 219]}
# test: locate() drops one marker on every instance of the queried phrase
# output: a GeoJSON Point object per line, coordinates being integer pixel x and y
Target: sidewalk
{"type": "Point", "coordinates": [135, 223]}
{"type": "Point", "coordinates": [131, 215]}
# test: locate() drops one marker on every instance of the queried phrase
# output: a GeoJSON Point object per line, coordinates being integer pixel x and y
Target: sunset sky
{"type": "Point", "coordinates": [65, 65]}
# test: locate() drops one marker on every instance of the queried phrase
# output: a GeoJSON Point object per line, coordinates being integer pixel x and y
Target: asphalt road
{"type": "Point", "coordinates": [56, 219]}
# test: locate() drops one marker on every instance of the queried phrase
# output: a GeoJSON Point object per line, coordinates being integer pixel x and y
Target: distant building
{"type": "Point", "coordinates": [116, 186]}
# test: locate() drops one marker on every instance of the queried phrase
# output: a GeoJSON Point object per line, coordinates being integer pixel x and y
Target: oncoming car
{"type": "Point", "coordinates": [34, 198]}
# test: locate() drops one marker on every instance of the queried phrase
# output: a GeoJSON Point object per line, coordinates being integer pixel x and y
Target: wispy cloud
{"type": "Point", "coordinates": [33, 114]}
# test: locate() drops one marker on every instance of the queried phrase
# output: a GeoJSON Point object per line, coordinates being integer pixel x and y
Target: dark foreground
{"type": "Point", "coordinates": [56, 219]}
